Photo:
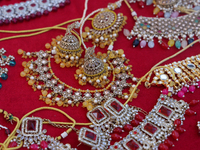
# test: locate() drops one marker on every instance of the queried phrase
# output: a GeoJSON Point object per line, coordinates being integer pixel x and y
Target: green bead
{"type": "Point", "coordinates": [0, 85]}
{"type": "Point", "coordinates": [178, 44]}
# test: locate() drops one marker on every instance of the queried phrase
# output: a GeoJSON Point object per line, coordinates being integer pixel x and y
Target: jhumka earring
{"type": "Point", "coordinates": [94, 70]}
{"type": "Point", "coordinates": [68, 48]}
{"type": "Point", "coordinates": [4, 60]}
{"type": "Point", "coordinates": [105, 27]}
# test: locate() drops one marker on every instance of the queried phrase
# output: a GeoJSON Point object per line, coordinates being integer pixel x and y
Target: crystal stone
{"type": "Point", "coordinates": [31, 125]}
{"type": "Point", "coordinates": [163, 77]}
{"type": "Point", "coordinates": [191, 66]}
{"type": "Point", "coordinates": [177, 70]}
{"type": "Point", "coordinates": [165, 111]}
{"type": "Point", "coordinates": [90, 135]}
{"type": "Point", "coordinates": [97, 114]}
{"type": "Point", "coordinates": [150, 128]}
{"type": "Point", "coordinates": [132, 145]}
{"type": "Point", "coordinates": [116, 106]}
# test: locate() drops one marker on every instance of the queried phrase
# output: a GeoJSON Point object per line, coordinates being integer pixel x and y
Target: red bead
{"type": "Point", "coordinates": [14, 20]}
{"type": "Point", "coordinates": [62, 4]}
{"type": "Point", "coordinates": [141, 4]}
{"type": "Point", "coordinates": [117, 130]}
{"type": "Point", "coordinates": [162, 146]}
{"type": "Point", "coordinates": [46, 12]}
{"type": "Point", "coordinates": [21, 19]}
{"type": "Point", "coordinates": [34, 147]}
{"type": "Point", "coordinates": [177, 122]}
{"type": "Point", "coordinates": [128, 127]}
{"type": "Point", "coordinates": [67, 2]}
{"type": "Point", "coordinates": [116, 106]}
{"type": "Point", "coordinates": [175, 135]}
{"type": "Point", "coordinates": [135, 123]}
{"type": "Point", "coordinates": [194, 102]}
{"type": "Point", "coordinates": [180, 129]}
{"type": "Point", "coordinates": [39, 14]}
{"type": "Point", "coordinates": [115, 137]}
{"type": "Point", "coordinates": [160, 14]}
{"type": "Point", "coordinates": [43, 144]}
{"type": "Point", "coordinates": [33, 15]}
{"type": "Point", "coordinates": [6, 21]}
{"type": "Point", "coordinates": [164, 45]}
{"type": "Point", "coordinates": [27, 17]}
{"type": "Point", "coordinates": [169, 143]}
{"type": "Point", "coordinates": [54, 8]}
{"type": "Point", "coordinates": [139, 117]}
{"type": "Point", "coordinates": [190, 112]}
{"type": "Point", "coordinates": [1, 22]}
{"type": "Point", "coordinates": [12, 144]}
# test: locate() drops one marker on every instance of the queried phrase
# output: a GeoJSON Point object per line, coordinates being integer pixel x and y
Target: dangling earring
{"type": "Point", "coordinates": [106, 25]}
{"type": "Point", "coordinates": [5, 60]}
{"type": "Point", "coordinates": [67, 49]}
{"type": "Point", "coordinates": [94, 70]}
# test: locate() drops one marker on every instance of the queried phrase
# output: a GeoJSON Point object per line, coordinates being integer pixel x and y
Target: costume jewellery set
{"type": "Point", "coordinates": [109, 73]}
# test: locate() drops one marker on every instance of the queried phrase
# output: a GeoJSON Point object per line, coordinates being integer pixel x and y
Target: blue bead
{"type": "Point", "coordinates": [0, 85]}
{"type": "Point", "coordinates": [12, 63]}
{"type": "Point", "coordinates": [190, 41]}
{"type": "Point", "coordinates": [136, 42]}
{"type": "Point", "coordinates": [4, 56]}
{"type": "Point", "coordinates": [148, 26]}
{"type": "Point", "coordinates": [4, 76]}
{"type": "Point", "coordinates": [178, 44]}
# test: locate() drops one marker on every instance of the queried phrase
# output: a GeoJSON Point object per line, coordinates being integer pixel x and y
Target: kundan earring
{"type": "Point", "coordinates": [94, 70]}
{"type": "Point", "coordinates": [105, 27]}
{"type": "Point", "coordinates": [68, 48]}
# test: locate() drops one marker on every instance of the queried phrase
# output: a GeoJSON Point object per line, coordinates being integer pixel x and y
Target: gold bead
{"type": "Point", "coordinates": [24, 63]}
{"type": "Point", "coordinates": [171, 43]}
{"type": "Point", "coordinates": [44, 93]}
{"type": "Point", "coordinates": [87, 29]}
{"type": "Point", "coordinates": [47, 45]}
{"type": "Point", "coordinates": [22, 74]}
{"type": "Point", "coordinates": [31, 82]}
{"type": "Point", "coordinates": [156, 11]}
{"type": "Point", "coordinates": [48, 101]}
{"type": "Point", "coordinates": [62, 65]}
{"type": "Point", "coordinates": [20, 51]}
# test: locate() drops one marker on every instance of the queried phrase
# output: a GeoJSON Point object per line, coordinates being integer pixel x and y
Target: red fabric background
{"type": "Point", "coordinates": [18, 98]}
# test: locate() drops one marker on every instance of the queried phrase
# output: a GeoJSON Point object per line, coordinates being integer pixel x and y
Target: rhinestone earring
{"type": "Point", "coordinates": [67, 49]}
{"type": "Point", "coordinates": [94, 70]}
{"type": "Point", "coordinates": [105, 27]}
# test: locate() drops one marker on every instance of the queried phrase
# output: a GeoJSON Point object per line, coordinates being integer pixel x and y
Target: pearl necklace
{"type": "Point", "coordinates": [30, 9]}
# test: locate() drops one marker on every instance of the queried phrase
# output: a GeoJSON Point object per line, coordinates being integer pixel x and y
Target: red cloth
{"type": "Point", "coordinates": [18, 98]}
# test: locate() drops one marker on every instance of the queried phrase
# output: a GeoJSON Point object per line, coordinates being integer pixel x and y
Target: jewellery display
{"type": "Point", "coordinates": [187, 76]}
{"type": "Point", "coordinates": [30, 9]}
{"type": "Point", "coordinates": [54, 91]}
{"type": "Point", "coordinates": [176, 30]}
{"type": "Point", "coordinates": [105, 27]}
{"type": "Point", "coordinates": [4, 60]}
{"type": "Point", "coordinates": [108, 121]}
{"type": "Point", "coordinates": [68, 50]}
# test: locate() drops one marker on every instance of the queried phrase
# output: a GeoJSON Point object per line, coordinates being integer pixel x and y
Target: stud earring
{"type": "Point", "coordinates": [67, 49]}
{"type": "Point", "coordinates": [105, 27]}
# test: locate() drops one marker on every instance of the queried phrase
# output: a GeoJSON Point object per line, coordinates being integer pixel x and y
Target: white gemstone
{"type": "Point", "coordinates": [49, 95]}
{"type": "Point", "coordinates": [32, 77]}
{"type": "Point", "coordinates": [84, 78]}
{"type": "Point", "coordinates": [126, 96]}
{"type": "Point", "coordinates": [163, 77]}
{"type": "Point", "coordinates": [72, 57]}
{"type": "Point", "coordinates": [57, 99]}
{"type": "Point", "coordinates": [66, 56]}
{"type": "Point", "coordinates": [104, 77]}
{"type": "Point", "coordinates": [95, 101]}
{"type": "Point", "coordinates": [64, 135]}
{"type": "Point", "coordinates": [53, 51]}
{"type": "Point", "coordinates": [151, 44]}
{"type": "Point", "coordinates": [28, 53]}
{"type": "Point", "coordinates": [69, 101]}
{"type": "Point", "coordinates": [134, 13]}
{"type": "Point", "coordinates": [177, 70]}
{"type": "Point", "coordinates": [101, 38]}
{"type": "Point", "coordinates": [39, 87]}
{"type": "Point", "coordinates": [97, 80]}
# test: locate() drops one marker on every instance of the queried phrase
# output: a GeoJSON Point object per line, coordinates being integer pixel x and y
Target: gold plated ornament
{"type": "Point", "coordinates": [94, 70]}
{"type": "Point", "coordinates": [105, 27]}
{"type": "Point", "coordinates": [68, 49]}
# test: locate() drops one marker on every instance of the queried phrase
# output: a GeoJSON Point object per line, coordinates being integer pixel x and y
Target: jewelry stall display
{"type": "Point", "coordinates": [179, 31]}
{"type": "Point", "coordinates": [5, 60]}
{"type": "Point", "coordinates": [29, 10]}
